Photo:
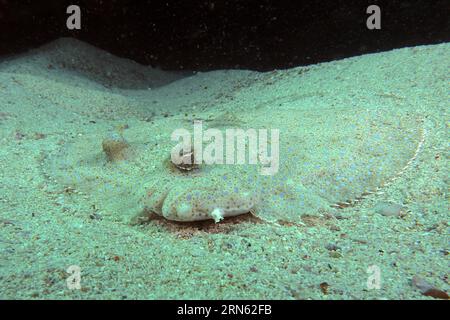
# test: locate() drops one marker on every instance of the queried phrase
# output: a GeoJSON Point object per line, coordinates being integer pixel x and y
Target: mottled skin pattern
{"type": "Point", "coordinates": [199, 204]}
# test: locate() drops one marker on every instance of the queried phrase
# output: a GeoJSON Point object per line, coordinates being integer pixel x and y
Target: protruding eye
{"type": "Point", "coordinates": [186, 161]}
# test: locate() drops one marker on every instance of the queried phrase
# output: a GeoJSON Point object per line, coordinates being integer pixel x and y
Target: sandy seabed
{"type": "Point", "coordinates": [66, 90]}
